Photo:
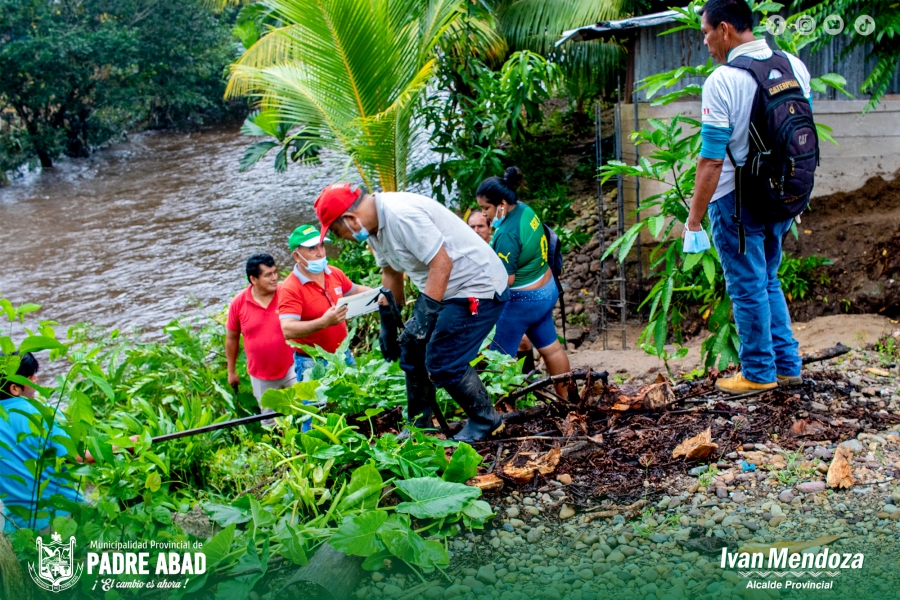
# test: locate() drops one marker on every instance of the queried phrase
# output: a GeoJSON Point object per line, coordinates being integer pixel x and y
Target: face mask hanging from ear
{"type": "Point", "coordinates": [360, 236]}
{"type": "Point", "coordinates": [495, 223]}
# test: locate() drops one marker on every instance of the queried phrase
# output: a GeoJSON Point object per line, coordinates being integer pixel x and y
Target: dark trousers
{"type": "Point", "coordinates": [454, 342]}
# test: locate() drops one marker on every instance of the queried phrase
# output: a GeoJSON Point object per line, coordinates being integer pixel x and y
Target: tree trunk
{"type": "Point", "coordinates": [329, 575]}
{"type": "Point", "coordinates": [12, 581]}
{"type": "Point", "coordinates": [46, 161]}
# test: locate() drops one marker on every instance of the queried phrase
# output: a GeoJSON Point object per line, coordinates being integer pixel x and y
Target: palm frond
{"type": "Point", "coordinates": [348, 71]}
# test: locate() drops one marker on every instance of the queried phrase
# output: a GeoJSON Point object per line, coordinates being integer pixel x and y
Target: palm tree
{"type": "Point", "coordinates": [346, 75]}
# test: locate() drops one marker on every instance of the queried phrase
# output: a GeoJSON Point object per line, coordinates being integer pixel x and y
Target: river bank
{"type": "Point", "coordinates": [549, 542]}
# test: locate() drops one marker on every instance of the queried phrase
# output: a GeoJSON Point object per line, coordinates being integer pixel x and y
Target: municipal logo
{"type": "Point", "coordinates": [56, 569]}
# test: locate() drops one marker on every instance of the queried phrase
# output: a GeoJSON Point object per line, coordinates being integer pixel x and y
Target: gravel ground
{"type": "Point", "coordinates": [539, 546]}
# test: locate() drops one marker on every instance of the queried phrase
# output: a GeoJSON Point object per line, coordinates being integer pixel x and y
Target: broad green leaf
{"type": "Point", "coordinates": [104, 387]}
{"type": "Point", "coordinates": [655, 224]}
{"type": "Point", "coordinates": [292, 546]}
{"type": "Point", "coordinates": [463, 464]}
{"type": "Point", "coordinates": [374, 562]}
{"type": "Point", "coordinates": [161, 514]}
{"type": "Point", "coordinates": [431, 498]}
{"type": "Point", "coordinates": [261, 517]}
{"type": "Point", "coordinates": [217, 547]}
{"type": "Point", "coordinates": [36, 343]}
{"type": "Point", "coordinates": [478, 509]}
{"type": "Point", "coordinates": [225, 515]}
{"type": "Point", "coordinates": [709, 268]}
{"type": "Point", "coordinates": [364, 489]}
{"type": "Point", "coordinates": [691, 261]}
{"type": "Point", "coordinates": [408, 546]}
{"type": "Point", "coordinates": [254, 567]}
{"type": "Point", "coordinates": [358, 534]}
{"type": "Point", "coordinates": [153, 483]}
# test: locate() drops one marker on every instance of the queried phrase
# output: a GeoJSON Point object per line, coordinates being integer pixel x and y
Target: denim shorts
{"type": "Point", "coordinates": [528, 312]}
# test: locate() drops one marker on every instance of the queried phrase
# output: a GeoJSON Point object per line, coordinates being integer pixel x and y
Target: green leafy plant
{"type": "Point", "coordinates": [484, 109]}
{"type": "Point", "coordinates": [270, 497]}
{"type": "Point", "coordinates": [797, 274]}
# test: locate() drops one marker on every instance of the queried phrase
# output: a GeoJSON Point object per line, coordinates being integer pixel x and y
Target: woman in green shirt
{"type": "Point", "coordinates": [520, 243]}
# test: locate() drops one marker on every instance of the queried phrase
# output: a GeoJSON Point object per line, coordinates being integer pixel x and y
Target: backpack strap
{"type": "Point", "coordinates": [742, 235]}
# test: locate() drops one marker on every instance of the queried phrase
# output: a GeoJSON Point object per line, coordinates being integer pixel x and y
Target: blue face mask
{"type": "Point", "coordinates": [360, 236]}
{"type": "Point", "coordinates": [497, 221]}
{"type": "Point", "coordinates": [317, 265]}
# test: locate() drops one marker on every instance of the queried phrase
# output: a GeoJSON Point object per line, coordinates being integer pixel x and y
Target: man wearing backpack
{"type": "Point", "coordinates": [759, 150]}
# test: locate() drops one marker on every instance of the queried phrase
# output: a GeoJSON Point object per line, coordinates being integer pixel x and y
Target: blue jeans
{"type": "Point", "coordinates": [302, 364]}
{"type": "Point", "coordinates": [455, 341]}
{"type": "Point", "coordinates": [528, 312]}
{"type": "Point", "coordinates": [751, 280]}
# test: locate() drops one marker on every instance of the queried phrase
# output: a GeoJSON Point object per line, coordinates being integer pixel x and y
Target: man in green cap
{"type": "Point", "coordinates": [307, 302]}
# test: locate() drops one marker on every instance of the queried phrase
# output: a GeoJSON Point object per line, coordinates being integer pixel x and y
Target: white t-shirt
{"type": "Point", "coordinates": [411, 230]}
{"type": "Point", "coordinates": [727, 100]}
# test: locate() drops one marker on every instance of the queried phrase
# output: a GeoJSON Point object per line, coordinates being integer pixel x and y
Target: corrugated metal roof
{"type": "Point", "coordinates": [605, 28]}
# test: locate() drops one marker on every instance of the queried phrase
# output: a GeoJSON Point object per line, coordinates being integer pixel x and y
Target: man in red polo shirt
{"type": "Point", "coordinates": [307, 304]}
{"type": "Point", "coordinates": [254, 314]}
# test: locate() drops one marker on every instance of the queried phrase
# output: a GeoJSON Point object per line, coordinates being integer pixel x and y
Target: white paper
{"type": "Point", "coordinates": [358, 304]}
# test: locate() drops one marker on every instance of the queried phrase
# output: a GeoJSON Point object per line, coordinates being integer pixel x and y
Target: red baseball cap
{"type": "Point", "coordinates": [333, 202]}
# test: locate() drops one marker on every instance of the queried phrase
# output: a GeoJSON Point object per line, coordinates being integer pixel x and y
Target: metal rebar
{"type": "Point", "coordinates": [620, 202]}
{"type": "Point", "coordinates": [637, 200]}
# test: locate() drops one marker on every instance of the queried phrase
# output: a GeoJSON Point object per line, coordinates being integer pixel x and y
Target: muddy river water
{"type": "Point", "coordinates": [135, 234]}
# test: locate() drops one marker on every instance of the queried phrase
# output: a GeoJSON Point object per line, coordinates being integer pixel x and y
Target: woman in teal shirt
{"type": "Point", "coordinates": [520, 243]}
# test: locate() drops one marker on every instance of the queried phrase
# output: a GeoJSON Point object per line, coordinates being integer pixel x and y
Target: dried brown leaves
{"type": "Point", "coordinates": [698, 447]}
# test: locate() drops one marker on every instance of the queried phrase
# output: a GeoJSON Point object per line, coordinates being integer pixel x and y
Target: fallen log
{"type": "Point", "coordinates": [575, 375]}
{"type": "Point", "coordinates": [329, 575]}
{"type": "Point", "coordinates": [825, 354]}
{"type": "Point", "coordinates": [12, 581]}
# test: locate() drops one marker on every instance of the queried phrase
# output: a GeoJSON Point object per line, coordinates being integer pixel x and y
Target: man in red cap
{"type": "Point", "coordinates": [462, 288]}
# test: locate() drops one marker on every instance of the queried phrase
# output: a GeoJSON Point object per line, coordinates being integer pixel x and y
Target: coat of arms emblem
{"type": "Point", "coordinates": [56, 569]}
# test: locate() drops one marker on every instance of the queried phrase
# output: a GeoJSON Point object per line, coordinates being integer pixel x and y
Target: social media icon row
{"type": "Point", "coordinates": [833, 25]}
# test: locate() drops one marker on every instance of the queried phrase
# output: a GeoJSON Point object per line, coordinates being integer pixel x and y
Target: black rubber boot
{"type": "Point", "coordinates": [528, 365]}
{"type": "Point", "coordinates": [473, 398]}
{"type": "Point", "coordinates": [420, 397]}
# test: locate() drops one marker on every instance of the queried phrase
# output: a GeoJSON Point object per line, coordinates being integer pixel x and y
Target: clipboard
{"type": "Point", "coordinates": [360, 304]}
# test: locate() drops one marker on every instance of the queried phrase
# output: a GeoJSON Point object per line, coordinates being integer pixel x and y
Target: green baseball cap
{"type": "Point", "coordinates": [306, 236]}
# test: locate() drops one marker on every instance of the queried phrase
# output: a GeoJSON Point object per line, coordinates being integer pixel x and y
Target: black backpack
{"type": "Point", "coordinates": [777, 177]}
{"type": "Point", "coordinates": [555, 261]}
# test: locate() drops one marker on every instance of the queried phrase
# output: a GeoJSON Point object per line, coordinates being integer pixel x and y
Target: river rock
{"type": "Point", "coordinates": [567, 512]}
{"type": "Point", "coordinates": [551, 552]}
{"type": "Point", "coordinates": [534, 535]}
{"type": "Point", "coordinates": [565, 479]}
{"type": "Point", "coordinates": [615, 556]}
{"type": "Point", "coordinates": [889, 508]}
{"type": "Point", "coordinates": [697, 471]}
{"type": "Point", "coordinates": [895, 496]}
{"type": "Point", "coordinates": [854, 445]}
{"type": "Point", "coordinates": [811, 487]}
{"type": "Point", "coordinates": [786, 496]}
{"type": "Point", "coordinates": [512, 512]}
{"type": "Point", "coordinates": [487, 575]}
{"type": "Point", "coordinates": [392, 591]}
{"type": "Point", "coordinates": [433, 593]}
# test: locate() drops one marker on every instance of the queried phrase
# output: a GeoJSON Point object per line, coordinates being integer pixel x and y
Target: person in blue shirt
{"type": "Point", "coordinates": [19, 445]}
